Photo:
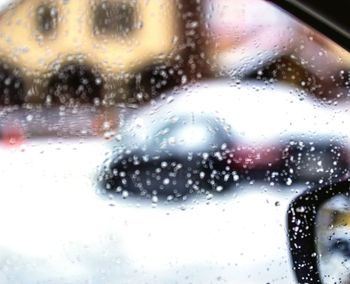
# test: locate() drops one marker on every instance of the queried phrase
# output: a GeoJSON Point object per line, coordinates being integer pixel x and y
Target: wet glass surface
{"type": "Point", "coordinates": [158, 141]}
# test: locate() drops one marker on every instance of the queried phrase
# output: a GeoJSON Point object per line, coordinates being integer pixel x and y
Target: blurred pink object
{"type": "Point", "coordinates": [248, 34]}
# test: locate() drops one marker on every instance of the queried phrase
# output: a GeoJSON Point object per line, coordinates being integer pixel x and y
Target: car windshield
{"type": "Point", "coordinates": [161, 141]}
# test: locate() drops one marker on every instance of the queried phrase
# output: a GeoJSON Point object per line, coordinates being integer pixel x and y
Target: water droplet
{"type": "Point", "coordinates": [125, 194]}
{"type": "Point", "coordinates": [29, 117]}
{"type": "Point", "coordinates": [219, 188]}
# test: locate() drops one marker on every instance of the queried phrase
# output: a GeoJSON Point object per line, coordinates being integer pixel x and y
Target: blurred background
{"type": "Point", "coordinates": [161, 141]}
{"type": "Point", "coordinates": [124, 56]}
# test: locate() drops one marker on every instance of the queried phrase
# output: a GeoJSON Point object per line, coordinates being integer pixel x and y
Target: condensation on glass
{"type": "Point", "coordinates": [161, 140]}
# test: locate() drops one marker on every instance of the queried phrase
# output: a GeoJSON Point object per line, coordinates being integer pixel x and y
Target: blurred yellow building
{"type": "Point", "coordinates": [115, 36]}
{"type": "Point", "coordinates": [87, 49]}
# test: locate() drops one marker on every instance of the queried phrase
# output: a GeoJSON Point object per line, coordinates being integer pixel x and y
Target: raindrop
{"type": "Point", "coordinates": [29, 117]}
{"type": "Point", "coordinates": [219, 188]}
{"type": "Point", "coordinates": [125, 194]}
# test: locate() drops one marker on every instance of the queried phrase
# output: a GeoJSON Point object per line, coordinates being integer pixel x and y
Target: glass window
{"type": "Point", "coordinates": [161, 141]}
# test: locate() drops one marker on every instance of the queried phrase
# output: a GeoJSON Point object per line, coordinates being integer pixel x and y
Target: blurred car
{"type": "Point", "coordinates": [318, 160]}
{"type": "Point", "coordinates": [179, 156]}
{"type": "Point", "coordinates": [181, 144]}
